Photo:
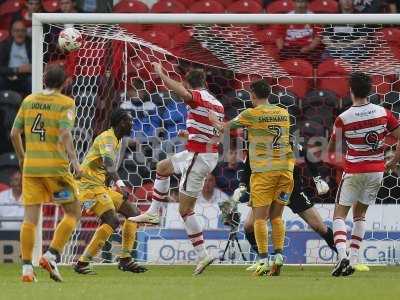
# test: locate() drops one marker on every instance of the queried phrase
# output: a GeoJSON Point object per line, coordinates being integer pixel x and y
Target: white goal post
{"type": "Point", "coordinates": [41, 19]}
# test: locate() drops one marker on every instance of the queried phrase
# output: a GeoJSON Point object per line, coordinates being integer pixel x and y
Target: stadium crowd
{"type": "Point", "coordinates": [304, 51]}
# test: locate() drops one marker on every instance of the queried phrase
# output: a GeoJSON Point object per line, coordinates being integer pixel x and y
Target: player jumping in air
{"type": "Point", "coordinates": [272, 162]}
{"type": "Point", "coordinates": [364, 127]}
{"type": "Point", "coordinates": [46, 119]}
{"type": "Point", "coordinates": [299, 204]}
{"type": "Point", "coordinates": [104, 202]}
{"type": "Point", "coordinates": [194, 164]}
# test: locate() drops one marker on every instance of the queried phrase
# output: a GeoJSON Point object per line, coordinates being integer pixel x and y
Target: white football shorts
{"type": "Point", "coordinates": [194, 168]}
{"type": "Point", "coordinates": [359, 187]}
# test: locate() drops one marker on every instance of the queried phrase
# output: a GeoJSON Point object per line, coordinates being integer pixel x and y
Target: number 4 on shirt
{"type": "Point", "coordinates": [38, 127]}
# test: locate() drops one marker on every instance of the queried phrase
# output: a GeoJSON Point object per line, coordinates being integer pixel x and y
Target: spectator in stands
{"type": "Point", "coordinates": [347, 42]}
{"type": "Point", "coordinates": [299, 40]}
{"type": "Point", "coordinates": [367, 6]}
{"type": "Point", "coordinates": [226, 172]}
{"type": "Point", "coordinates": [10, 202]}
{"type": "Point", "coordinates": [137, 98]}
{"type": "Point", "coordinates": [346, 6]}
{"type": "Point", "coordinates": [31, 7]}
{"type": "Point", "coordinates": [15, 60]}
{"type": "Point", "coordinates": [68, 6]}
{"type": "Point", "coordinates": [393, 6]}
{"type": "Point", "coordinates": [95, 6]}
{"type": "Point", "coordinates": [210, 193]}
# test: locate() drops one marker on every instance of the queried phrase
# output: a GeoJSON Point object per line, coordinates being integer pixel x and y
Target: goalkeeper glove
{"type": "Point", "coordinates": [321, 185]}
{"type": "Point", "coordinates": [241, 194]}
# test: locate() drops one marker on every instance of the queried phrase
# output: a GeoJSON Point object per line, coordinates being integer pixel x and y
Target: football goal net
{"type": "Point", "coordinates": [305, 58]}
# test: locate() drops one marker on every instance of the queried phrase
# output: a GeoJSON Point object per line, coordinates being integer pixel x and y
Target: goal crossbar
{"type": "Point", "coordinates": [118, 18]}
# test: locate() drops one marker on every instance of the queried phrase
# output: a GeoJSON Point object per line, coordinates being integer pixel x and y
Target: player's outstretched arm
{"type": "Point", "coordinates": [16, 139]}
{"type": "Point", "coordinates": [67, 141]}
{"type": "Point", "coordinates": [174, 85]}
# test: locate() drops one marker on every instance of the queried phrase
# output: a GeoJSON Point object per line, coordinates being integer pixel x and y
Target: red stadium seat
{"type": "Point", "coordinates": [4, 34]}
{"type": "Point", "coordinates": [51, 5]}
{"type": "Point", "coordinates": [207, 6]}
{"type": "Point", "coordinates": [279, 7]}
{"type": "Point", "coordinates": [133, 28]}
{"type": "Point", "coordinates": [391, 35]}
{"type": "Point", "coordinates": [332, 75]}
{"type": "Point", "coordinates": [130, 6]}
{"type": "Point", "coordinates": [171, 29]}
{"type": "Point", "coordinates": [245, 7]}
{"type": "Point", "coordinates": [144, 192]}
{"type": "Point", "coordinates": [226, 3]}
{"type": "Point", "coordinates": [187, 3]}
{"type": "Point", "coordinates": [10, 6]}
{"type": "Point", "coordinates": [168, 6]}
{"type": "Point", "coordinates": [158, 38]}
{"type": "Point", "coordinates": [267, 36]}
{"type": "Point", "coordinates": [301, 72]}
{"type": "Point", "coordinates": [324, 6]}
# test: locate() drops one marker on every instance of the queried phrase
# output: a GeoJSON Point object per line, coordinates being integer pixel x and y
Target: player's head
{"type": "Point", "coordinates": [54, 77]}
{"type": "Point", "coordinates": [360, 85]}
{"type": "Point", "coordinates": [300, 6]}
{"type": "Point", "coordinates": [260, 91]}
{"type": "Point", "coordinates": [195, 79]}
{"type": "Point", "coordinates": [121, 121]}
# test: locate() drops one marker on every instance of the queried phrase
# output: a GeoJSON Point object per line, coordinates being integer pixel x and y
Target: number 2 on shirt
{"type": "Point", "coordinates": [277, 131]}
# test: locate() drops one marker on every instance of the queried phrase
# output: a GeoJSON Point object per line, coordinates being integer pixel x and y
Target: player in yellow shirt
{"type": "Point", "coordinates": [99, 163]}
{"type": "Point", "coordinates": [46, 119]}
{"type": "Point", "coordinates": [272, 162]}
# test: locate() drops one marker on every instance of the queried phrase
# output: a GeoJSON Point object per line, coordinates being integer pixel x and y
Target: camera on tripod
{"type": "Point", "coordinates": [231, 217]}
{"type": "Point", "coordinates": [230, 214]}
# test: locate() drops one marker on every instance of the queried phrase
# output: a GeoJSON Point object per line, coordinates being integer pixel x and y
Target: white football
{"type": "Point", "coordinates": [70, 39]}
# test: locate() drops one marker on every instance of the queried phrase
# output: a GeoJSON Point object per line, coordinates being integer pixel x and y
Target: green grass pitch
{"type": "Point", "coordinates": [217, 282]}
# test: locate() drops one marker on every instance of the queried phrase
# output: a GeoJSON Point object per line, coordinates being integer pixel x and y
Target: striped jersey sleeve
{"type": "Point", "coordinates": [243, 119]}
{"type": "Point", "coordinates": [67, 116]}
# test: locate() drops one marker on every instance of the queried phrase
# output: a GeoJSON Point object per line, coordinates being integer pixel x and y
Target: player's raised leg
{"type": "Point", "coordinates": [159, 198]}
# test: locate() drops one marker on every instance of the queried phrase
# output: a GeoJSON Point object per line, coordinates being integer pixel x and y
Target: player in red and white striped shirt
{"type": "Point", "coordinates": [363, 127]}
{"type": "Point", "coordinates": [194, 164]}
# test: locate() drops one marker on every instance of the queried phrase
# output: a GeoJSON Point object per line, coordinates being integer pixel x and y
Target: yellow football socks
{"type": "Point", "coordinates": [261, 234]}
{"type": "Point", "coordinates": [128, 238]}
{"type": "Point", "coordinates": [278, 234]}
{"type": "Point", "coordinates": [27, 238]}
{"type": "Point", "coordinates": [63, 233]}
{"type": "Point", "coordinates": [103, 232]}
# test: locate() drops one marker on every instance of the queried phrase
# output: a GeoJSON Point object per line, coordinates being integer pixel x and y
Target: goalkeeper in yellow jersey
{"type": "Point", "coordinates": [272, 163]}
{"type": "Point", "coordinates": [99, 163]}
{"type": "Point", "coordinates": [46, 119]}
